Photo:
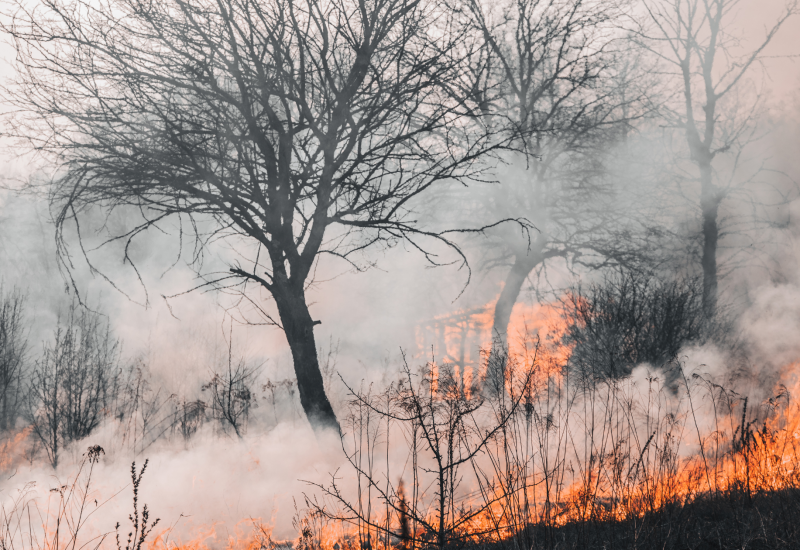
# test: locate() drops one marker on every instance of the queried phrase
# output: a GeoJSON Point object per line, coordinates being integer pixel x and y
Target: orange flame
{"type": "Point", "coordinates": [612, 484]}
{"type": "Point", "coordinates": [650, 453]}
{"type": "Point", "coordinates": [535, 332]}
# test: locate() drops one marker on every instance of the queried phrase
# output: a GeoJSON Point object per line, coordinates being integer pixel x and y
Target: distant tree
{"type": "Point", "coordinates": [231, 395]}
{"type": "Point", "coordinates": [13, 355]}
{"type": "Point", "coordinates": [704, 56]}
{"type": "Point", "coordinates": [301, 127]}
{"type": "Point", "coordinates": [561, 75]}
{"type": "Point", "coordinates": [73, 383]}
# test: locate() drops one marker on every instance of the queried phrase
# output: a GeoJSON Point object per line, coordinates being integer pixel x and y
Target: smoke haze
{"type": "Point", "coordinates": [369, 319]}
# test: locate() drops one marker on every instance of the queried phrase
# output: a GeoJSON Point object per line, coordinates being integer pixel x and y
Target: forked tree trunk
{"type": "Point", "coordinates": [299, 329]}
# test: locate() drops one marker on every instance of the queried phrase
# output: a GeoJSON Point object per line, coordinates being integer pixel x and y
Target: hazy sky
{"type": "Point", "coordinates": [371, 315]}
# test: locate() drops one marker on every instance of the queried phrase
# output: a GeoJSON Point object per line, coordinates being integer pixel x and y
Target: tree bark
{"type": "Point", "coordinates": [524, 263]}
{"type": "Point", "coordinates": [299, 329]}
{"type": "Point", "coordinates": [709, 204]}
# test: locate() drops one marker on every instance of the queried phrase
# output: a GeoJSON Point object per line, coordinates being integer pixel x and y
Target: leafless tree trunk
{"type": "Point", "coordinates": [302, 127]}
{"type": "Point", "coordinates": [555, 72]}
{"type": "Point", "coordinates": [523, 264]}
{"type": "Point", "coordinates": [13, 355]}
{"type": "Point", "coordinates": [693, 37]}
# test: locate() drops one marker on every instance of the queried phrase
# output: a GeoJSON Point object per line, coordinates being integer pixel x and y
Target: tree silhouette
{"type": "Point", "coordinates": [562, 76]}
{"type": "Point", "coordinates": [694, 39]}
{"type": "Point", "coordinates": [302, 127]}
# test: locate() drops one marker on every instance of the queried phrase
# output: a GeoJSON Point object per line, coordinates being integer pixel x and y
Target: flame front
{"type": "Point", "coordinates": [572, 451]}
{"type": "Point", "coordinates": [554, 448]}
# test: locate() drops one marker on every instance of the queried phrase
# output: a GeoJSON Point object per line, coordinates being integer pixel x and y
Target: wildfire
{"type": "Point", "coordinates": [642, 448]}
{"type": "Point", "coordinates": [750, 453]}
{"type": "Point", "coordinates": [563, 451]}
{"type": "Point", "coordinates": [12, 450]}
{"type": "Point", "coordinates": [535, 333]}
{"type": "Point", "coordinates": [248, 534]}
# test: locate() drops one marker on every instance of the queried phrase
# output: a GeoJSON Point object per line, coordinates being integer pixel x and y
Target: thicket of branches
{"type": "Point", "coordinates": [447, 424]}
{"type": "Point", "coordinates": [232, 395]}
{"type": "Point", "coordinates": [72, 385]}
{"type": "Point", "coordinates": [13, 355]}
{"type": "Point", "coordinates": [631, 318]}
{"type": "Point", "coordinates": [81, 381]}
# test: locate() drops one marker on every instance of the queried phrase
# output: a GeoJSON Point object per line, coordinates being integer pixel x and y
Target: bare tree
{"type": "Point", "coordinates": [694, 39]}
{"type": "Point", "coordinates": [232, 396]}
{"type": "Point", "coordinates": [301, 127]}
{"type": "Point", "coordinates": [13, 355]}
{"type": "Point", "coordinates": [561, 74]}
{"type": "Point", "coordinates": [72, 382]}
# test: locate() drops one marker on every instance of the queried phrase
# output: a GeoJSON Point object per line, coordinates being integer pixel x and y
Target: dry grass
{"type": "Point", "coordinates": [548, 460]}
{"type": "Point", "coordinates": [535, 459]}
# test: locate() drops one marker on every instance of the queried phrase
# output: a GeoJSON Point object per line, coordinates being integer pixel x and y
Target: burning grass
{"type": "Point", "coordinates": [545, 452]}
{"type": "Point", "coordinates": [521, 453]}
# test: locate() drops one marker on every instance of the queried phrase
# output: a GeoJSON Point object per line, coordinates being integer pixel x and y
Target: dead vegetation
{"type": "Point", "coordinates": [550, 458]}
{"type": "Point", "coordinates": [547, 461]}
{"type": "Point", "coordinates": [62, 519]}
{"type": "Point", "coordinates": [526, 451]}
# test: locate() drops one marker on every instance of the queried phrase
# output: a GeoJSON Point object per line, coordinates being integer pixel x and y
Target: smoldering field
{"type": "Point", "coordinates": [613, 397]}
